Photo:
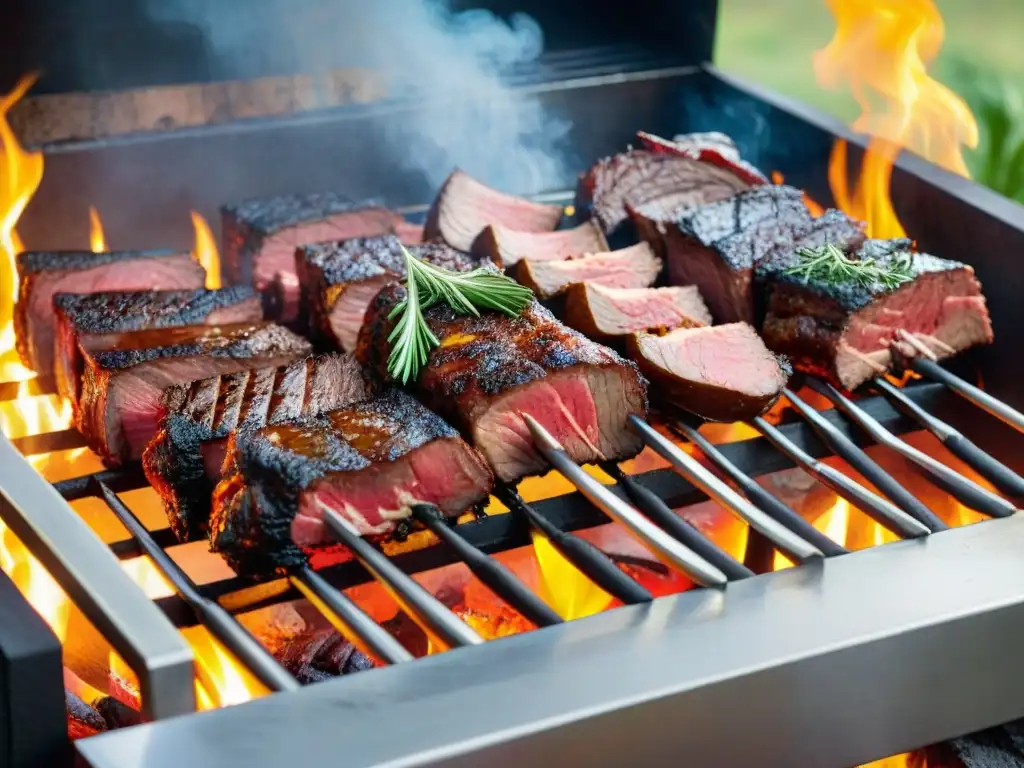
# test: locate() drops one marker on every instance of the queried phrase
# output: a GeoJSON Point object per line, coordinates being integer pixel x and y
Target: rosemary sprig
{"type": "Point", "coordinates": [465, 292]}
{"type": "Point", "coordinates": [828, 264]}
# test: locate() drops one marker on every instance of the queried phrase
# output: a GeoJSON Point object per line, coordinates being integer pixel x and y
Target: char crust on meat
{"type": "Point", "coordinates": [41, 275]}
{"type": "Point", "coordinates": [323, 654]}
{"type": "Point", "coordinates": [608, 314]}
{"type": "Point", "coordinates": [508, 247]}
{"type": "Point", "coordinates": [632, 267]}
{"type": "Point", "coordinates": [710, 147]}
{"type": "Point", "coordinates": [93, 320]}
{"type": "Point", "coordinates": [122, 385]}
{"type": "Point", "coordinates": [843, 331]}
{"type": "Point", "coordinates": [341, 278]}
{"type": "Point", "coordinates": [464, 207]}
{"type": "Point", "coordinates": [491, 369]}
{"type": "Point", "coordinates": [721, 373]}
{"type": "Point", "coordinates": [183, 462]}
{"type": "Point", "coordinates": [368, 462]}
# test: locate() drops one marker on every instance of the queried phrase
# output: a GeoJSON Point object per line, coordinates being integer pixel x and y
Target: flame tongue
{"type": "Point", "coordinates": [569, 592]}
{"type": "Point", "coordinates": [881, 51]}
{"type": "Point", "coordinates": [97, 241]}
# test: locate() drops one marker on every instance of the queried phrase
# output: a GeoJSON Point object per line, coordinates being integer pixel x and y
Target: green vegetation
{"type": "Point", "coordinates": [772, 42]}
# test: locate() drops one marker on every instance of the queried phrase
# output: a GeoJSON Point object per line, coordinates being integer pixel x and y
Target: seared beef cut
{"type": "Point", "coordinates": [715, 148]}
{"type": "Point", "coordinates": [122, 385]}
{"type": "Point", "coordinates": [409, 233]}
{"type": "Point", "coordinates": [464, 207]}
{"type": "Point", "coordinates": [183, 462]}
{"type": "Point", "coordinates": [41, 275]}
{"type": "Point", "coordinates": [721, 373]}
{"type": "Point", "coordinates": [633, 267]}
{"type": "Point", "coordinates": [509, 247]}
{"type": "Point", "coordinates": [843, 330]}
{"type": "Point", "coordinates": [641, 177]}
{"type": "Point", "coordinates": [717, 246]}
{"type": "Point", "coordinates": [369, 462]}
{"type": "Point", "coordinates": [95, 320]}
{"type": "Point", "coordinates": [489, 370]}
{"type": "Point", "coordinates": [261, 235]}
{"type": "Point", "coordinates": [313, 657]}
{"type": "Point", "coordinates": [341, 278]}
{"type": "Point", "coordinates": [607, 314]}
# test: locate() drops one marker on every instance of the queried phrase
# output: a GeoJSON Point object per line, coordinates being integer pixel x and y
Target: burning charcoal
{"type": "Point", "coordinates": [41, 275]}
{"type": "Point", "coordinates": [633, 267]}
{"type": "Point", "coordinates": [992, 748]}
{"type": "Point", "coordinates": [322, 655]}
{"type": "Point", "coordinates": [491, 369]}
{"type": "Point", "coordinates": [183, 462]}
{"type": "Point", "coordinates": [83, 720]}
{"type": "Point", "coordinates": [609, 314]}
{"type": "Point", "coordinates": [94, 320]}
{"type": "Point", "coordinates": [367, 462]}
{"type": "Point", "coordinates": [115, 714]}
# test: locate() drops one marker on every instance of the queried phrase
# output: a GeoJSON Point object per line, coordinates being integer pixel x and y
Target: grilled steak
{"type": "Point", "coordinates": [715, 148]}
{"type": "Point", "coordinates": [607, 314]}
{"type": "Point", "coordinates": [722, 373]}
{"type": "Point", "coordinates": [509, 247]}
{"type": "Point", "coordinates": [261, 235]}
{"type": "Point", "coordinates": [122, 385]}
{"type": "Point", "coordinates": [368, 462]}
{"type": "Point", "coordinates": [464, 207]}
{"type": "Point", "coordinates": [641, 177]}
{"type": "Point", "coordinates": [843, 330]}
{"type": "Point", "coordinates": [183, 462]}
{"type": "Point", "coordinates": [633, 267]}
{"type": "Point", "coordinates": [313, 657]}
{"type": "Point", "coordinates": [489, 370]}
{"type": "Point", "coordinates": [341, 278]}
{"type": "Point", "coordinates": [41, 275]}
{"type": "Point", "coordinates": [717, 246]}
{"type": "Point", "coordinates": [95, 320]}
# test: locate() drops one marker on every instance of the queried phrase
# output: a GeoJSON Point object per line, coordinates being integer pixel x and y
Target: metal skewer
{"type": "Point", "coordinates": [664, 547]}
{"type": "Point", "coordinates": [884, 512]}
{"type": "Point", "coordinates": [222, 625]}
{"type": "Point", "coordinates": [997, 473]}
{"type": "Point", "coordinates": [783, 539]}
{"type": "Point", "coordinates": [845, 448]}
{"type": "Point", "coordinates": [492, 573]}
{"type": "Point", "coordinates": [967, 492]}
{"type": "Point", "coordinates": [971, 393]}
{"type": "Point", "coordinates": [443, 627]}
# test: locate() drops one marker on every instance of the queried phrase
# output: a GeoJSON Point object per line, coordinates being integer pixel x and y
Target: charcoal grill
{"type": "Point", "coordinates": [839, 661]}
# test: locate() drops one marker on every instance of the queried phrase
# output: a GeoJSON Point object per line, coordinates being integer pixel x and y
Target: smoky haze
{"type": "Point", "coordinates": [453, 60]}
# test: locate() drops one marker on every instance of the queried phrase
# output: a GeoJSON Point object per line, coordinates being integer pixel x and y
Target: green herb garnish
{"type": "Point", "coordinates": [828, 264]}
{"type": "Point", "coordinates": [465, 292]}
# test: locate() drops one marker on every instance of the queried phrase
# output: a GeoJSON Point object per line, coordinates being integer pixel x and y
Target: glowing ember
{"type": "Point", "coordinates": [205, 250]}
{"type": "Point", "coordinates": [565, 589]}
{"type": "Point", "coordinates": [834, 523]}
{"type": "Point", "coordinates": [97, 242]}
{"type": "Point", "coordinates": [880, 51]}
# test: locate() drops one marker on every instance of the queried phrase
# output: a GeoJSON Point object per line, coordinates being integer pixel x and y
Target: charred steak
{"type": "Point", "coordinates": [633, 267]}
{"type": "Point", "coordinates": [721, 373]}
{"type": "Point", "coordinates": [261, 235]}
{"type": "Point", "coordinates": [508, 246]}
{"type": "Point", "coordinates": [95, 320]}
{"type": "Point", "coordinates": [843, 331]}
{"type": "Point", "coordinates": [323, 654]}
{"type": "Point", "coordinates": [41, 275]}
{"type": "Point", "coordinates": [491, 369]}
{"type": "Point", "coordinates": [464, 207]}
{"type": "Point", "coordinates": [369, 462]}
{"type": "Point", "coordinates": [183, 462]}
{"type": "Point", "coordinates": [341, 278]}
{"type": "Point", "coordinates": [122, 385]}
{"type": "Point", "coordinates": [607, 314]}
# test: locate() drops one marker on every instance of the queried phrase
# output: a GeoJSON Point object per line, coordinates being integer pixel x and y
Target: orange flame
{"type": "Point", "coordinates": [834, 523]}
{"type": "Point", "coordinates": [34, 582]}
{"type": "Point", "coordinates": [881, 50]}
{"type": "Point", "coordinates": [563, 587]}
{"type": "Point", "coordinates": [97, 242]}
{"type": "Point", "coordinates": [205, 251]}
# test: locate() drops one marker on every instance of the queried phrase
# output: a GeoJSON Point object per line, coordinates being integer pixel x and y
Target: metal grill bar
{"type": "Point", "coordinates": [222, 625]}
{"type": "Point", "coordinates": [40, 385]}
{"type": "Point", "coordinates": [969, 392]}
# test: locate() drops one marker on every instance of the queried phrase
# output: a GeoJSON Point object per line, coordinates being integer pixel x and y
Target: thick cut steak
{"type": "Point", "coordinates": [122, 386]}
{"type": "Point", "coordinates": [721, 373]}
{"type": "Point", "coordinates": [607, 314]}
{"type": "Point", "coordinates": [843, 330]}
{"type": "Point", "coordinates": [633, 267]}
{"type": "Point", "coordinates": [42, 275]}
{"type": "Point", "coordinates": [93, 321]}
{"type": "Point", "coordinates": [711, 147]}
{"type": "Point", "coordinates": [369, 462]}
{"type": "Point", "coordinates": [641, 177]}
{"type": "Point", "coordinates": [509, 247]}
{"type": "Point", "coordinates": [489, 370]}
{"type": "Point", "coordinates": [261, 235]}
{"type": "Point", "coordinates": [341, 278]}
{"type": "Point", "coordinates": [464, 207]}
{"type": "Point", "coordinates": [183, 462]}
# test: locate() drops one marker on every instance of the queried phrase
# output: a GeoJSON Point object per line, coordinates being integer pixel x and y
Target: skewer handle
{"type": "Point", "coordinates": [978, 397]}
